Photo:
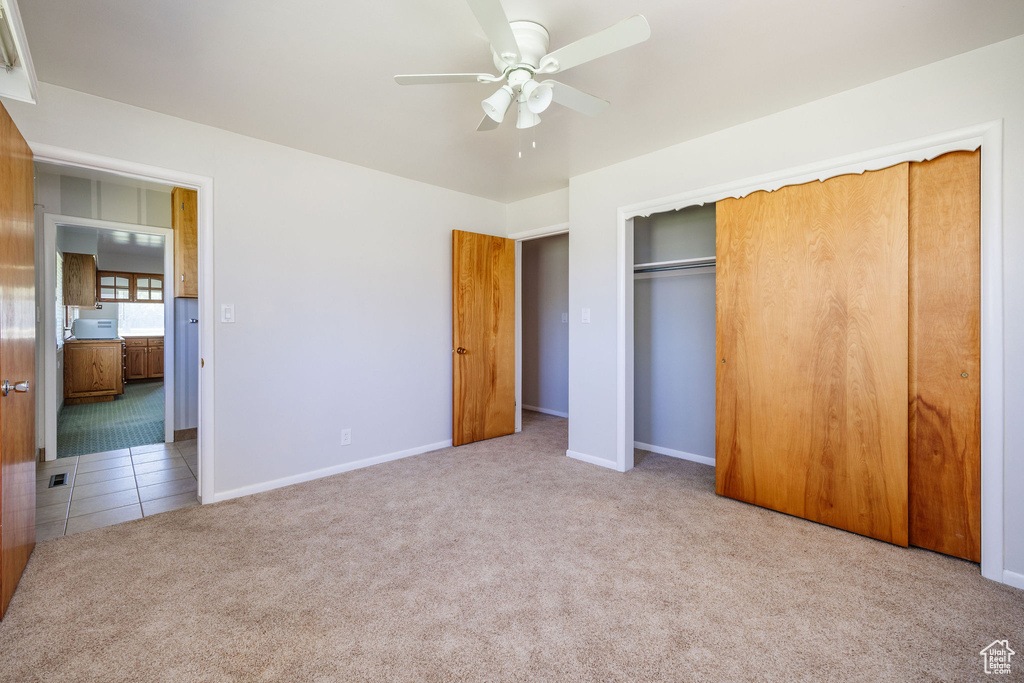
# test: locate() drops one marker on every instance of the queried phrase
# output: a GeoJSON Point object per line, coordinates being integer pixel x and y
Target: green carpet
{"type": "Point", "coordinates": [134, 419]}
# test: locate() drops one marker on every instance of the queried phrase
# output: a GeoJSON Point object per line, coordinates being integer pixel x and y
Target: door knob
{"type": "Point", "coordinates": [19, 387]}
{"type": "Point", "coordinates": [460, 350]}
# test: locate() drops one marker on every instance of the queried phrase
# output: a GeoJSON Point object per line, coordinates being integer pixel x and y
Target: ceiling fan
{"type": "Point", "coordinates": [520, 52]}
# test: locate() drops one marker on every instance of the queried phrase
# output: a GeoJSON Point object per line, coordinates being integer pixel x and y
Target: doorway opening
{"type": "Point", "coordinates": [118, 352]}
{"type": "Point", "coordinates": [674, 334]}
{"type": "Point", "coordinates": [543, 332]}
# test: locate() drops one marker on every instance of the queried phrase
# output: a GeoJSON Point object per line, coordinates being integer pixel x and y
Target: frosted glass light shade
{"type": "Point", "coordinates": [497, 104]}
{"type": "Point", "coordinates": [538, 95]}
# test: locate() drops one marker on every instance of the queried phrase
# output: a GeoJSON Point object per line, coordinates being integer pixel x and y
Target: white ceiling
{"type": "Point", "coordinates": [119, 242]}
{"type": "Point", "coordinates": [317, 75]}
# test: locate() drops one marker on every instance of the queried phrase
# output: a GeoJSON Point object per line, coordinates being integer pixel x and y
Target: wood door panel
{"type": "Point", "coordinates": [185, 222]}
{"type": "Point", "coordinates": [137, 368]}
{"type": "Point", "coordinates": [811, 315]}
{"type": "Point", "coordinates": [17, 358]}
{"type": "Point", "coordinates": [155, 361]}
{"type": "Point", "coordinates": [79, 280]}
{"type": "Point", "coordinates": [945, 343]}
{"type": "Point", "coordinates": [92, 369]}
{"type": "Point", "coordinates": [483, 324]}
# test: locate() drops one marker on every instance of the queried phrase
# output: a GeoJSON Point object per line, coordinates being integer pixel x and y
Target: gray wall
{"type": "Point", "coordinates": [545, 271]}
{"type": "Point", "coordinates": [674, 335]}
{"type": "Point", "coordinates": [186, 364]}
{"type": "Point", "coordinates": [112, 202]}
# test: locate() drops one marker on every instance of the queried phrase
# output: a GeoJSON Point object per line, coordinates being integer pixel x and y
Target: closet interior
{"type": "Point", "coordinates": [674, 333]}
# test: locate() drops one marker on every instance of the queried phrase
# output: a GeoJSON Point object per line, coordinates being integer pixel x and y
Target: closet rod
{"type": "Point", "coordinates": [681, 264]}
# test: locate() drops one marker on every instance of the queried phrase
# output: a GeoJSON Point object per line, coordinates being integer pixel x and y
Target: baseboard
{"type": "Point", "coordinates": [1013, 579]}
{"type": "Point", "coordinates": [186, 434]}
{"type": "Point", "coordinates": [327, 471]}
{"type": "Point", "coordinates": [593, 460]}
{"type": "Point", "coordinates": [546, 411]}
{"type": "Point", "coordinates": [672, 453]}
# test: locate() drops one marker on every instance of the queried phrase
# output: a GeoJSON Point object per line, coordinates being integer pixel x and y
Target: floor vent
{"type": "Point", "coordinates": [58, 480]}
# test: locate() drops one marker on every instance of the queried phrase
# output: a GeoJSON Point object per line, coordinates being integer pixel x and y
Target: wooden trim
{"type": "Point", "coordinates": [186, 434]}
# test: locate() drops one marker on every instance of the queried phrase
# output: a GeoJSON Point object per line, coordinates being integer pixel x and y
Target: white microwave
{"type": "Point", "coordinates": [94, 328]}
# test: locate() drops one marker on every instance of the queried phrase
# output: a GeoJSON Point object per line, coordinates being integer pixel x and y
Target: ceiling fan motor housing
{"type": "Point", "coordinates": [533, 41]}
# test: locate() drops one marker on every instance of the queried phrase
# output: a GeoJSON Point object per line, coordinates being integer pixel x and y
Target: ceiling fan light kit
{"type": "Point", "coordinates": [526, 118]}
{"type": "Point", "coordinates": [519, 50]}
{"type": "Point", "coordinates": [497, 104]}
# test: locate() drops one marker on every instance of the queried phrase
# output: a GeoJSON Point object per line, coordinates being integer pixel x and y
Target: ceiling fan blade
{"type": "Point", "coordinates": [492, 19]}
{"type": "Point", "coordinates": [487, 123]}
{"type": "Point", "coordinates": [577, 100]}
{"type": "Point", "coordinates": [431, 79]}
{"type": "Point", "coordinates": [612, 39]}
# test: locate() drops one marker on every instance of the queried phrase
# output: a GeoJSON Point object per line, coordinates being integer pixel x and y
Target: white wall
{"type": "Point", "coordinates": [545, 292]}
{"type": "Point", "coordinates": [340, 278]}
{"type": "Point", "coordinates": [674, 334]}
{"type": "Point", "coordinates": [973, 88]}
{"type": "Point", "coordinates": [541, 211]}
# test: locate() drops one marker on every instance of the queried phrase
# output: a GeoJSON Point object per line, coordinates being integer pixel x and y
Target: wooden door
{"type": "Point", "coordinates": [185, 222]}
{"type": "Point", "coordinates": [483, 337]}
{"type": "Point", "coordinates": [17, 359]}
{"type": "Point", "coordinates": [811, 314]}
{"type": "Point", "coordinates": [155, 367]}
{"type": "Point", "coordinates": [138, 368]}
{"type": "Point", "coordinates": [945, 355]}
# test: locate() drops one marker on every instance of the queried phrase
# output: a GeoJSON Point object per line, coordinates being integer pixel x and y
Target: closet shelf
{"type": "Point", "coordinates": [678, 264]}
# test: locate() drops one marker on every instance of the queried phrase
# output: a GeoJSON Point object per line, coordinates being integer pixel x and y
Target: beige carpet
{"type": "Point", "coordinates": [503, 560]}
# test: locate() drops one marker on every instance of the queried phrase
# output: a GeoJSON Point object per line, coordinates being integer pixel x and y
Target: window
{"type": "Point", "coordinates": [140, 319]}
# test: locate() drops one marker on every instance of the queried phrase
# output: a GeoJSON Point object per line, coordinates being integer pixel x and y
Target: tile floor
{"type": "Point", "coordinates": [115, 486]}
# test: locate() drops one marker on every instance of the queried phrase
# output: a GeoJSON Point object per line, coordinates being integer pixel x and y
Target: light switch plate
{"type": "Point", "coordinates": [227, 313]}
{"type": "Point", "coordinates": [565, 317]}
{"type": "Point", "coordinates": [586, 315]}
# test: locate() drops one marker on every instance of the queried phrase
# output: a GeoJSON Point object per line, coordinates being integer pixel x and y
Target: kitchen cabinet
{"type": "Point", "coordinates": [185, 222]}
{"type": "Point", "coordinates": [145, 357]}
{"type": "Point", "coordinates": [114, 286]}
{"type": "Point", "coordinates": [79, 280]}
{"type": "Point", "coordinates": [129, 287]}
{"type": "Point", "coordinates": [94, 370]}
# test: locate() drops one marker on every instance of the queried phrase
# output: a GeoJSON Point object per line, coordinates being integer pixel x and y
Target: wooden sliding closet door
{"type": "Point", "coordinates": [945, 354]}
{"type": "Point", "coordinates": [811, 314]}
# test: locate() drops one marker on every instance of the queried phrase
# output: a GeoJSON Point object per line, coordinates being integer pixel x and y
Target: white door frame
{"type": "Point", "coordinates": [988, 136]}
{"type": "Point", "coordinates": [50, 224]}
{"type": "Point", "coordinates": [203, 185]}
{"type": "Point", "coordinates": [520, 237]}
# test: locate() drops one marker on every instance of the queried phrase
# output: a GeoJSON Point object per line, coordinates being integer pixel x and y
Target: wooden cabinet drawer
{"type": "Point", "coordinates": [155, 341]}
{"type": "Point", "coordinates": [136, 341]}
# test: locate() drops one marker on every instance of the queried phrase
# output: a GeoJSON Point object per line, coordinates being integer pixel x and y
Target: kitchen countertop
{"type": "Point", "coordinates": [75, 339]}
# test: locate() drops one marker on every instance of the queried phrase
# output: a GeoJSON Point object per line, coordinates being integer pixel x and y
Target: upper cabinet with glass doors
{"type": "Point", "coordinates": [149, 287]}
{"type": "Point", "coordinates": [129, 287]}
